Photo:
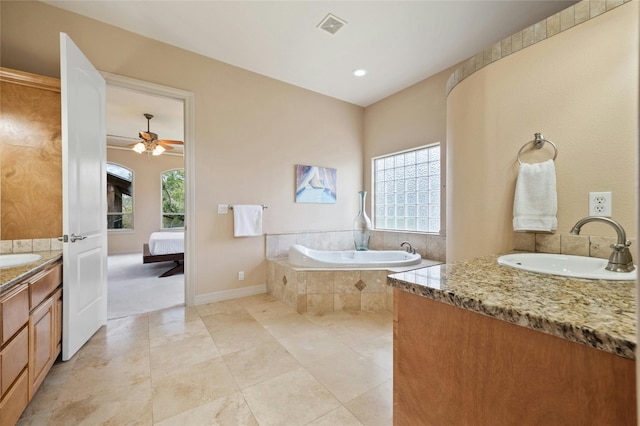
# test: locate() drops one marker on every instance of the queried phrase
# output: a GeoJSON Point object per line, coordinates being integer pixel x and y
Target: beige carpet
{"type": "Point", "coordinates": [134, 287]}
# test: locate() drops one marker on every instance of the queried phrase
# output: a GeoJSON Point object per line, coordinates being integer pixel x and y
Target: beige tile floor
{"type": "Point", "coordinates": [249, 361]}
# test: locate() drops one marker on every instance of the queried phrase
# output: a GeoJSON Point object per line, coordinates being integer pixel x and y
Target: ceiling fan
{"type": "Point", "coordinates": [149, 141]}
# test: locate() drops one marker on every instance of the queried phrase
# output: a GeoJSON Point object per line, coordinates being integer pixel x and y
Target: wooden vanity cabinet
{"type": "Point", "coordinates": [457, 367]}
{"type": "Point", "coordinates": [14, 353]}
{"type": "Point", "coordinates": [44, 347]}
{"type": "Point", "coordinates": [45, 323]}
{"type": "Point", "coordinates": [31, 324]}
{"type": "Point", "coordinates": [14, 307]}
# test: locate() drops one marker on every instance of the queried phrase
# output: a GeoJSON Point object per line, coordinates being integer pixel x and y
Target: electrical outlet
{"type": "Point", "coordinates": [600, 204]}
{"type": "Point", "coordinates": [241, 276]}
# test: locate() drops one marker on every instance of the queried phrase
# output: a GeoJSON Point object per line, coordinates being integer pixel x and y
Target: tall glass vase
{"type": "Point", "coordinates": [362, 226]}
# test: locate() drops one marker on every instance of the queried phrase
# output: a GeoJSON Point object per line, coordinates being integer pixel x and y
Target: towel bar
{"type": "Point", "coordinates": [263, 206]}
{"type": "Point", "coordinates": [538, 143]}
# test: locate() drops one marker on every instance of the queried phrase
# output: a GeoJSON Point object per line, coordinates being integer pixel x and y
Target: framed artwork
{"type": "Point", "coordinates": [315, 184]}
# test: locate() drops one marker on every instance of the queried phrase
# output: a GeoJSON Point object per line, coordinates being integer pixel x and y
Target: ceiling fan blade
{"type": "Point", "coordinates": [169, 141]}
{"type": "Point", "coordinates": [167, 147]}
{"type": "Point", "coordinates": [148, 136]}
{"type": "Point", "coordinates": [145, 135]}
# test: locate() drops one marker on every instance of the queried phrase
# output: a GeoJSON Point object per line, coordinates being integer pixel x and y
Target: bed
{"type": "Point", "coordinates": [165, 247]}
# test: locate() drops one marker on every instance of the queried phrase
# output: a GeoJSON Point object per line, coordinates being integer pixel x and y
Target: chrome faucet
{"type": "Point", "coordinates": [620, 259]}
{"type": "Point", "coordinates": [410, 248]}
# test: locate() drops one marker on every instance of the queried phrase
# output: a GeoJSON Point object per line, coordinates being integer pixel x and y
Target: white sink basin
{"type": "Point", "coordinates": [10, 260]}
{"type": "Point", "coordinates": [566, 265]}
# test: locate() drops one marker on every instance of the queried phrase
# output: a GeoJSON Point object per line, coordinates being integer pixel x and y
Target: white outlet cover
{"type": "Point", "coordinates": [223, 208]}
{"type": "Point", "coordinates": [600, 204]}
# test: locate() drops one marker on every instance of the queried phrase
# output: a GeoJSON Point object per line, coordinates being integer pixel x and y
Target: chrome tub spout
{"type": "Point", "coordinates": [409, 248]}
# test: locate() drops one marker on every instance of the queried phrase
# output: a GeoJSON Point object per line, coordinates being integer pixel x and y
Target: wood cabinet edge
{"type": "Point", "coordinates": [31, 80]}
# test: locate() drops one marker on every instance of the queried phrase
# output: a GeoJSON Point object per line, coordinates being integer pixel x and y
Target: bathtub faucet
{"type": "Point", "coordinates": [620, 259]}
{"type": "Point", "coordinates": [410, 248]}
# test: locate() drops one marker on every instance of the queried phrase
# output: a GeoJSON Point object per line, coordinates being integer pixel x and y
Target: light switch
{"type": "Point", "coordinates": [223, 209]}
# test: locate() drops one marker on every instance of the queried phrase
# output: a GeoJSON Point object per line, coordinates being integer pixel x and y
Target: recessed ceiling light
{"type": "Point", "coordinates": [359, 72]}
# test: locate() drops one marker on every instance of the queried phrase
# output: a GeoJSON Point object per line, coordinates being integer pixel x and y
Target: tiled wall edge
{"type": "Point", "coordinates": [568, 18]}
{"type": "Point", "coordinates": [28, 246]}
{"type": "Point", "coordinates": [577, 245]}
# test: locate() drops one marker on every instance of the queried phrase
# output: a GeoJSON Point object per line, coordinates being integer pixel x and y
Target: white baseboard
{"type": "Point", "coordinates": [218, 296]}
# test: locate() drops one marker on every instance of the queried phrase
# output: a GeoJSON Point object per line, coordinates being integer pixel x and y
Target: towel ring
{"type": "Point", "coordinates": [538, 142]}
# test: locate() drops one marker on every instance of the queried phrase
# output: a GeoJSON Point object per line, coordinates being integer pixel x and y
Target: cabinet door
{"type": "Point", "coordinates": [15, 401]}
{"type": "Point", "coordinates": [57, 322]}
{"type": "Point", "coordinates": [41, 343]}
{"type": "Point", "coordinates": [43, 284]}
{"type": "Point", "coordinates": [14, 312]}
{"type": "Point", "coordinates": [14, 358]}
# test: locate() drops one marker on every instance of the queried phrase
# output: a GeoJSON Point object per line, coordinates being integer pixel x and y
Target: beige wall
{"type": "Point", "coordinates": [146, 195]}
{"type": "Point", "coordinates": [413, 117]}
{"type": "Point", "coordinates": [580, 89]}
{"type": "Point", "coordinates": [252, 130]}
{"type": "Point", "coordinates": [250, 133]}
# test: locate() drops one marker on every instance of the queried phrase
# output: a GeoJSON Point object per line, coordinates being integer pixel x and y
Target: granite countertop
{"type": "Point", "coordinates": [11, 276]}
{"type": "Point", "coordinates": [597, 313]}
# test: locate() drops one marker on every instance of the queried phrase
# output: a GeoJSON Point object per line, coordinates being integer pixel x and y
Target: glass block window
{"type": "Point", "coordinates": [406, 188]}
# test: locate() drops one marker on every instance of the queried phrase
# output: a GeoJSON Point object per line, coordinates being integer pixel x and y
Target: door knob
{"type": "Point", "coordinates": [75, 237]}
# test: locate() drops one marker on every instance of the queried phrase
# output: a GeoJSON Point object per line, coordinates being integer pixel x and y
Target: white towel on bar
{"type": "Point", "coordinates": [247, 220]}
{"type": "Point", "coordinates": [536, 200]}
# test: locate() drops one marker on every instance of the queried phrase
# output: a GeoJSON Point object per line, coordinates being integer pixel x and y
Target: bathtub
{"type": "Point", "coordinates": [306, 257]}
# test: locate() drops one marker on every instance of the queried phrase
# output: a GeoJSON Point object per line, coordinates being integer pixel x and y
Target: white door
{"type": "Point", "coordinates": [84, 211]}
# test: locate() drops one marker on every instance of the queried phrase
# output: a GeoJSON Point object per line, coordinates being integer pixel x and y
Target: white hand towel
{"type": "Point", "coordinates": [536, 200]}
{"type": "Point", "coordinates": [247, 220]}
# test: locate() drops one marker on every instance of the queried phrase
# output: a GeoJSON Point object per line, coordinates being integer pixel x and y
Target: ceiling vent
{"type": "Point", "coordinates": [331, 23]}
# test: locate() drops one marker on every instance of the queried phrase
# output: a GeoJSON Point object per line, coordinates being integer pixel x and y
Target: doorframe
{"type": "Point", "coordinates": [188, 101]}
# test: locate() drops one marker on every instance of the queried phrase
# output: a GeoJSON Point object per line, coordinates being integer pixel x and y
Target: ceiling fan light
{"type": "Point", "coordinates": [158, 150]}
{"type": "Point", "coordinates": [139, 148]}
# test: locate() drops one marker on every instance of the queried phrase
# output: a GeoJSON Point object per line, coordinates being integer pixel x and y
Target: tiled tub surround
{"type": "Point", "coordinates": [596, 313]}
{"type": "Point", "coordinates": [429, 246]}
{"type": "Point", "coordinates": [319, 291]}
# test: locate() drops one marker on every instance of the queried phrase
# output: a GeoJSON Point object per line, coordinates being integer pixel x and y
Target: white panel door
{"type": "Point", "coordinates": [84, 217]}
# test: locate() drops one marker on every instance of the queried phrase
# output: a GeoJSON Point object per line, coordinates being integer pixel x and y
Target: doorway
{"type": "Point", "coordinates": [135, 287]}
